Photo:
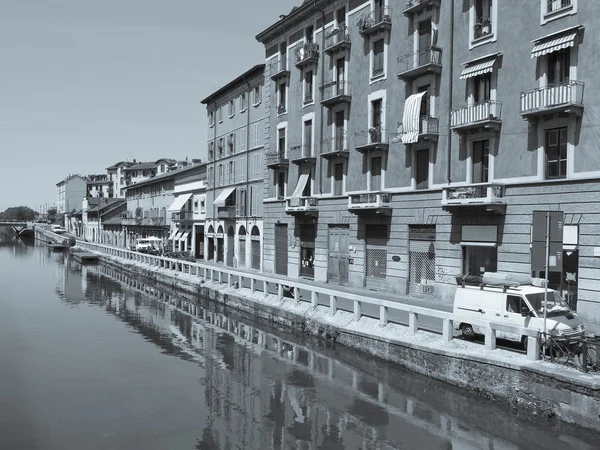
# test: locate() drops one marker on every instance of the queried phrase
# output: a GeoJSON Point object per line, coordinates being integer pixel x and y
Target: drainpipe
{"type": "Point", "coordinates": [450, 85]}
{"type": "Point", "coordinates": [214, 165]}
{"type": "Point", "coordinates": [321, 90]}
{"type": "Point", "coordinates": [247, 158]}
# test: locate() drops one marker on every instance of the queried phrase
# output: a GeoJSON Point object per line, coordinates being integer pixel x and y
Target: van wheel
{"type": "Point", "coordinates": [524, 343]}
{"type": "Point", "coordinates": [467, 331]}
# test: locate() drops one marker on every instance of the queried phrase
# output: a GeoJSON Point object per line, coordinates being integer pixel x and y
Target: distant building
{"type": "Point", "coordinates": [116, 176]}
{"type": "Point", "coordinates": [70, 192]}
{"type": "Point", "coordinates": [99, 186]}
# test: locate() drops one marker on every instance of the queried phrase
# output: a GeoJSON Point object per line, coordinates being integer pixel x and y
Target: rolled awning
{"type": "Point", "coordinates": [479, 66]}
{"type": "Point", "coordinates": [302, 180]}
{"type": "Point", "coordinates": [554, 42]}
{"type": "Point", "coordinates": [410, 118]}
{"type": "Point", "coordinates": [180, 200]}
{"type": "Point", "coordinates": [223, 196]}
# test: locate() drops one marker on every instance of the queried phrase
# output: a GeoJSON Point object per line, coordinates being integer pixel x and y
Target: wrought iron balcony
{"type": "Point", "coordinates": [375, 138]}
{"type": "Point", "coordinates": [306, 155]}
{"type": "Point", "coordinates": [144, 222]}
{"type": "Point", "coordinates": [429, 128]}
{"type": "Point", "coordinates": [490, 195]}
{"type": "Point", "coordinates": [335, 148]}
{"type": "Point", "coordinates": [487, 114]}
{"type": "Point", "coordinates": [336, 92]}
{"type": "Point", "coordinates": [301, 205]}
{"type": "Point", "coordinates": [375, 21]}
{"type": "Point", "coordinates": [564, 98]}
{"type": "Point", "coordinates": [308, 53]}
{"type": "Point", "coordinates": [279, 68]}
{"type": "Point", "coordinates": [182, 215]}
{"type": "Point", "coordinates": [338, 39]}
{"type": "Point", "coordinates": [419, 63]}
{"type": "Point", "coordinates": [371, 202]}
{"type": "Point", "coordinates": [226, 212]}
{"type": "Point", "coordinates": [277, 160]}
{"type": "Point", "coordinates": [415, 6]}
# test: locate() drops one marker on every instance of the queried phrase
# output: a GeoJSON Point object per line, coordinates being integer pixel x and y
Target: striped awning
{"type": "Point", "coordinates": [553, 43]}
{"type": "Point", "coordinates": [478, 67]}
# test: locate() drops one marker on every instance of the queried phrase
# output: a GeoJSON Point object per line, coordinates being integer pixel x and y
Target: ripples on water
{"type": "Point", "coordinates": [265, 389]}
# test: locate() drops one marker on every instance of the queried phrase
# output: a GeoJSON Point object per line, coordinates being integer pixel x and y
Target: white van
{"type": "Point", "coordinates": [57, 229]}
{"type": "Point", "coordinates": [513, 303]}
{"type": "Point", "coordinates": [149, 245]}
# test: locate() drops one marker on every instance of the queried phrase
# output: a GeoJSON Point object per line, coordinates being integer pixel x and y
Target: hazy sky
{"type": "Point", "coordinates": [86, 83]}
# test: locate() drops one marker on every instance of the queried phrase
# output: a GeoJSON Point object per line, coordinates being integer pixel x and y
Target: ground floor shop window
{"type": "Point", "coordinates": [565, 282]}
{"type": "Point", "coordinates": [479, 259]}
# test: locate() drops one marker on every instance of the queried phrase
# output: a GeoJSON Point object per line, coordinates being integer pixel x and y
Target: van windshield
{"type": "Point", "coordinates": [556, 305]}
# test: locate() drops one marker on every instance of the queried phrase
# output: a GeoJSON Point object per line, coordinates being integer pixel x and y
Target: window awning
{"type": "Point", "coordinates": [302, 180]}
{"type": "Point", "coordinates": [554, 42]}
{"type": "Point", "coordinates": [173, 234]}
{"type": "Point", "coordinates": [184, 236]}
{"type": "Point", "coordinates": [410, 118]}
{"type": "Point", "coordinates": [176, 237]}
{"type": "Point", "coordinates": [223, 196]}
{"type": "Point", "coordinates": [180, 200]}
{"type": "Point", "coordinates": [479, 244]}
{"type": "Point", "coordinates": [479, 66]}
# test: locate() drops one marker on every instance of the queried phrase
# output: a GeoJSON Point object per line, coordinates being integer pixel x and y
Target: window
{"type": "Point", "coordinates": [256, 96]}
{"type": "Point", "coordinates": [257, 165]}
{"type": "Point", "coordinates": [309, 34]}
{"type": "Point", "coordinates": [422, 169]}
{"type": "Point", "coordinates": [242, 176]}
{"type": "Point", "coordinates": [556, 153]}
{"type": "Point", "coordinates": [231, 143]}
{"type": "Point", "coordinates": [376, 173]}
{"type": "Point", "coordinates": [231, 108]}
{"type": "Point", "coordinates": [339, 141]}
{"type": "Point", "coordinates": [281, 150]}
{"type": "Point", "coordinates": [243, 104]}
{"type": "Point", "coordinates": [242, 203]}
{"type": "Point", "coordinates": [211, 175]}
{"type": "Point", "coordinates": [553, 5]}
{"type": "Point", "coordinates": [256, 136]}
{"type": "Point", "coordinates": [376, 120]}
{"type": "Point", "coordinates": [481, 157]}
{"type": "Point", "coordinates": [220, 175]}
{"type": "Point", "coordinates": [211, 118]}
{"type": "Point", "coordinates": [515, 304]}
{"type": "Point", "coordinates": [483, 16]}
{"type": "Point", "coordinates": [425, 110]}
{"type": "Point", "coordinates": [220, 148]}
{"type": "Point", "coordinates": [308, 86]}
{"type": "Point", "coordinates": [559, 65]}
{"type": "Point", "coordinates": [308, 137]}
{"type": "Point", "coordinates": [243, 139]}
{"type": "Point", "coordinates": [341, 18]}
{"type": "Point", "coordinates": [202, 206]}
{"type": "Point", "coordinates": [477, 260]}
{"type": "Point", "coordinates": [482, 88]}
{"type": "Point", "coordinates": [282, 103]}
{"type": "Point", "coordinates": [280, 184]}
{"type": "Point", "coordinates": [254, 199]}
{"type": "Point", "coordinates": [195, 206]}
{"type": "Point", "coordinates": [220, 114]}
{"type": "Point", "coordinates": [231, 176]}
{"type": "Point", "coordinates": [555, 9]}
{"type": "Point", "coordinates": [338, 178]}
{"type": "Point", "coordinates": [378, 58]}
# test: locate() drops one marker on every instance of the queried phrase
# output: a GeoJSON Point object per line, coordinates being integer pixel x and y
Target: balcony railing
{"type": "Point", "coordinates": [480, 194]}
{"type": "Point", "coordinates": [482, 28]}
{"type": "Point", "coordinates": [281, 109]}
{"type": "Point", "coordinates": [429, 127]}
{"type": "Point", "coordinates": [566, 97]}
{"type": "Point", "coordinates": [307, 53]}
{"type": "Point", "coordinates": [337, 39]}
{"type": "Point", "coordinates": [279, 68]}
{"type": "Point", "coordinates": [306, 154]}
{"type": "Point", "coordinates": [182, 215]}
{"type": "Point", "coordinates": [414, 6]}
{"type": "Point", "coordinates": [308, 97]}
{"type": "Point", "coordinates": [375, 21]}
{"type": "Point", "coordinates": [295, 205]}
{"type": "Point", "coordinates": [336, 147]}
{"type": "Point", "coordinates": [373, 138]}
{"type": "Point", "coordinates": [275, 160]}
{"type": "Point", "coordinates": [413, 65]}
{"type": "Point", "coordinates": [145, 221]}
{"type": "Point", "coordinates": [555, 5]}
{"type": "Point", "coordinates": [336, 93]}
{"type": "Point", "coordinates": [371, 202]}
{"type": "Point", "coordinates": [487, 114]}
{"type": "Point", "coordinates": [226, 212]}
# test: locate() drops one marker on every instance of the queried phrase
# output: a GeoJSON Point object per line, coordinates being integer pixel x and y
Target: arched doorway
{"type": "Point", "coordinates": [242, 248]}
{"type": "Point", "coordinates": [220, 244]}
{"type": "Point", "coordinates": [230, 245]}
{"type": "Point", "coordinates": [211, 243]}
{"type": "Point", "coordinates": [255, 247]}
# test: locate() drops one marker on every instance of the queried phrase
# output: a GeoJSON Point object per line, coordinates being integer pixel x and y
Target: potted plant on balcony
{"type": "Point", "coordinates": [375, 133]}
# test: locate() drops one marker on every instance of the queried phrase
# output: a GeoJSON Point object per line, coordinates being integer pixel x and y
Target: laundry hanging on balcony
{"type": "Point", "coordinates": [180, 200]}
{"type": "Point", "coordinates": [411, 118]}
{"type": "Point", "coordinates": [302, 180]}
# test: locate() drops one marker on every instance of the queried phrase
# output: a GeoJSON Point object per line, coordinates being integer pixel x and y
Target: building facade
{"type": "Point", "coordinates": [99, 186]}
{"type": "Point", "coordinates": [410, 142]}
{"type": "Point", "coordinates": [70, 192]}
{"type": "Point", "coordinates": [235, 172]}
{"type": "Point", "coordinates": [116, 175]}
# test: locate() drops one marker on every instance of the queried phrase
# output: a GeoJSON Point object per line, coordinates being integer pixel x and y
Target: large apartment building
{"type": "Point", "coordinates": [411, 141]}
{"type": "Point", "coordinates": [235, 171]}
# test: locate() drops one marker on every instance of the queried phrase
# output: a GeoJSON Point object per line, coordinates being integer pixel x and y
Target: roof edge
{"type": "Point", "coordinates": [255, 70]}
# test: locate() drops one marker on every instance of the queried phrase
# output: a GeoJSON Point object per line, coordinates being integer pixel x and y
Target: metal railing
{"type": "Point", "coordinates": [308, 97]}
{"type": "Point", "coordinates": [374, 18]}
{"type": "Point", "coordinates": [278, 66]}
{"type": "Point", "coordinates": [474, 193]}
{"type": "Point", "coordinates": [479, 112]}
{"type": "Point", "coordinates": [369, 198]}
{"type": "Point", "coordinates": [276, 158]}
{"type": "Point", "coordinates": [336, 37]}
{"type": "Point", "coordinates": [306, 151]}
{"type": "Point", "coordinates": [427, 125]}
{"type": "Point", "coordinates": [301, 203]}
{"type": "Point", "coordinates": [226, 212]}
{"type": "Point", "coordinates": [306, 52]}
{"type": "Point", "coordinates": [567, 93]}
{"type": "Point", "coordinates": [281, 108]}
{"type": "Point", "coordinates": [423, 57]}
{"type": "Point", "coordinates": [336, 89]}
{"type": "Point", "coordinates": [372, 136]}
{"type": "Point", "coordinates": [183, 215]}
{"type": "Point", "coordinates": [337, 144]}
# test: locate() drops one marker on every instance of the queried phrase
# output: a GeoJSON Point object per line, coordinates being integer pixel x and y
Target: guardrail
{"type": "Point", "coordinates": [235, 277]}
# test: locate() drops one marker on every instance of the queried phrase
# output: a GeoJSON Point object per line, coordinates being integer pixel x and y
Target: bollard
{"type": "Point", "coordinates": [383, 316]}
{"type": "Point", "coordinates": [357, 310]}
{"type": "Point", "coordinates": [490, 339]}
{"type": "Point", "coordinates": [413, 319]}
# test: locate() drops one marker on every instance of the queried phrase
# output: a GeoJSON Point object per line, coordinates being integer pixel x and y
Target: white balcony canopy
{"type": "Point", "coordinates": [410, 118]}
{"type": "Point", "coordinates": [302, 180]}
{"type": "Point", "coordinates": [555, 42]}
{"type": "Point", "coordinates": [180, 200]}
{"type": "Point", "coordinates": [479, 66]}
{"type": "Point", "coordinates": [223, 196]}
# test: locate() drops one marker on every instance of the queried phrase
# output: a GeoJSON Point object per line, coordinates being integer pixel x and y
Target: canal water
{"type": "Point", "coordinates": [91, 358]}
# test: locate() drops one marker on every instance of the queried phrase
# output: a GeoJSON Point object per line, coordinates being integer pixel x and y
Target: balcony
{"type": "Point", "coordinates": [563, 98]}
{"type": "Point", "coordinates": [308, 98]}
{"type": "Point", "coordinates": [144, 221]}
{"type": "Point", "coordinates": [377, 20]}
{"type": "Point", "coordinates": [416, 6]}
{"type": "Point", "coordinates": [372, 202]}
{"type": "Point", "coordinates": [429, 128]}
{"type": "Point", "coordinates": [281, 109]}
{"type": "Point", "coordinates": [306, 155]}
{"type": "Point", "coordinates": [336, 93]}
{"type": "Point", "coordinates": [484, 115]}
{"type": "Point", "coordinates": [489, 195]}
{"type": "Point", "coordinates": [374, 138]}
{"type": "Point", "coordinates": [226, 212]}
{"type": "Point", "coordinates": [301, 205]}
{"type": "Point", "coordinates": [335, 148]}
{"type": "Point", "coordinates": [279, 68]}
{"type": "Point", "coordinates": [182, 215]}
{"type": "Point", "coordinates": [338, 39]}
{"type": "Point", "coordinates": [419, 63]}
{"type": "Point", "coordinates": [308, 53]}
{"type": "Point", "coordinates": [277, 160]}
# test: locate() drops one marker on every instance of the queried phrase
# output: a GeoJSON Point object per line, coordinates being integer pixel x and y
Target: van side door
{"type": "Point", "coordinates": [513, 315]}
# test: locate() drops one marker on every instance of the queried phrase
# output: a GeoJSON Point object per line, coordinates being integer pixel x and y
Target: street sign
{"type": "Point", "coordinates": [538, 246]}
{"type": "Point", "coordinates": [556, 226]}
{"type": "Point", "coordinates": [538, 257]}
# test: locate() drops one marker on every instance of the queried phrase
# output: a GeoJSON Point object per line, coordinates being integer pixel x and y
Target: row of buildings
{"type": "Point", "coordinates": [394, 145]}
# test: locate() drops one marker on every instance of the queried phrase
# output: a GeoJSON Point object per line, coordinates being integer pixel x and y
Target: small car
{"type": "Point", "coordinates": [57, 229]}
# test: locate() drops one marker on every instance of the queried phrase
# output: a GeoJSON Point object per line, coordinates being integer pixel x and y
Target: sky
{"type": "Point", "coordinates": [87, 83]}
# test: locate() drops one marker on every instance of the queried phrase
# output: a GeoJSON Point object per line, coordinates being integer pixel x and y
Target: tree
{"type": "Point", "coordinates": [18, 213]}
{"type": "Point", "coordinates": [52, 213]}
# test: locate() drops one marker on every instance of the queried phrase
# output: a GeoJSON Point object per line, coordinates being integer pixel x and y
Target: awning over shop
{"type": "Point", "coordinates": [177, 236]}
{"type": "Point", "coordinates": [223, 196]}
{"type": "Point", "coordinates": [184, 236]}
{"type": "Point", "coordinates": [479, 66]}
{"type": "Point", "coordinates": [180, 200]}
{"type": "Point", "coordinates": [173, 234]}
{"type": "Point", "coordinates": [302, 180]}
{"type": "Point", "coordinates": [410, 118]}
{"type": "Point", "coordinates": [554, 42]}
